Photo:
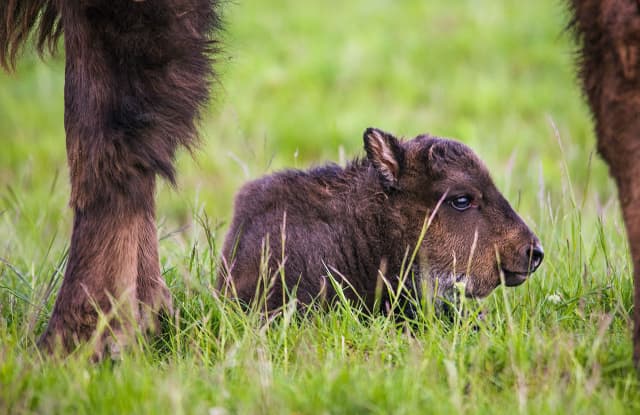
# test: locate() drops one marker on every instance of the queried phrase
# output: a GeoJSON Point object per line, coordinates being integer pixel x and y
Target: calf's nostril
{"type": "Point", "coordinates": [535, 255]}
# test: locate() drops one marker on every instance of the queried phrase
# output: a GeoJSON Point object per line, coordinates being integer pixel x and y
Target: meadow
{"type": "Point", "coordinates": [298, 82]}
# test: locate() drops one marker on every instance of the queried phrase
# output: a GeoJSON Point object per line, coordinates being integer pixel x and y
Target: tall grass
{"type": "Point", "coordinates": [301, 84]}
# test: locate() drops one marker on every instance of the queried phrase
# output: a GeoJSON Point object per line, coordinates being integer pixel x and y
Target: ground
{"type": "Point", "coordinates": [298, 84]}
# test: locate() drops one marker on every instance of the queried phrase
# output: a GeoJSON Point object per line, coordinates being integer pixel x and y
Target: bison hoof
{"type": "Point", "coordinates": [108, 331]}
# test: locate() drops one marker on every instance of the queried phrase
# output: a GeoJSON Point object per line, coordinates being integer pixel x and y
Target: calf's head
{"type": "Point", "coordinates": [474, 237]}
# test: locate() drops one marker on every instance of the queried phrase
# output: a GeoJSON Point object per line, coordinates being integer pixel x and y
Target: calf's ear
{"type": "Point", "coordinates": [386, 154]}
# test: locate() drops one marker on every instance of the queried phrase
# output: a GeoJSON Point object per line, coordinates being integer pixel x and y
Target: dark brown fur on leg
{"type": "Point", "coordinates": [101, 272]}
{"type": "Point", "coordinates": [153, 294]}
{"type": "Point", "coordinates": [137, 76]}
{"type": "Point", "coordinates": [609, 36]}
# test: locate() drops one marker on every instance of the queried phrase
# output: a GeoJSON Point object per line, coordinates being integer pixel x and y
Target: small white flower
{"type": "Point", "coordinates": [554, 298]}
{"type": "Point", "coordinates": [217, 411]}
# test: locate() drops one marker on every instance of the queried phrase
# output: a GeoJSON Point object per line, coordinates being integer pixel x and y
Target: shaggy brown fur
{"type": "Point", "coordinates": [137, 76]}
{"type": "Point", "coordinates": [18, 18]}
{"type": "Point", "coordinates": [608, 32]}
{"type": "Point", "coordinates": [359, 223]}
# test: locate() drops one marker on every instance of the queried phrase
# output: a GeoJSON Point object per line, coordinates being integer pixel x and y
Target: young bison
{"type": "Point", "coordinates": [363, 221]}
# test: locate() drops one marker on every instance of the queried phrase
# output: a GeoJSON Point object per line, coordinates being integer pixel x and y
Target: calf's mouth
{"type": "Point", "coordinates": [534, 254]}
{"type": "Point", "coordinates": [514, 278]}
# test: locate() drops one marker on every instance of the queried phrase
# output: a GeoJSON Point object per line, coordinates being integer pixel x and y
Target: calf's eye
{"type": "Point", "coordinates": [461, 202]}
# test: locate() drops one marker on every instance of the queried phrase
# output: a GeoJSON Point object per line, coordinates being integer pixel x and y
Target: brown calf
{"type": "Point", "coordinates": [136, 77]}
{"type": "Point", "coordinates": [361, 223]}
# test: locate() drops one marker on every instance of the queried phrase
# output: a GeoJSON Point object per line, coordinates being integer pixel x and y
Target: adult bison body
{"type": "Point", "coordinates": [360, 225]}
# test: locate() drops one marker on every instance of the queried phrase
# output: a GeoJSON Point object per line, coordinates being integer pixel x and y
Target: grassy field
{"type": "Point", "coordinates": [298, 84]}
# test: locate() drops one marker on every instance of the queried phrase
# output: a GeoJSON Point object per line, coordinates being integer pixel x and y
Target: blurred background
{"type": "Point", "coordinates": [297, 84]}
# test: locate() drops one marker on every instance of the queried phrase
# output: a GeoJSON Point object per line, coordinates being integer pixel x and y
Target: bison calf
{"type": "Point", "coordinates": [361, 223]}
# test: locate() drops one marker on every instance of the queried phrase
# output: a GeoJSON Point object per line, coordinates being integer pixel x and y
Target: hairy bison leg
{"type": "Point", "coordinates": [137, 75]}
{"type": "Point", "coordinates": [113, 269]}
{"type": "Point", "coordinates": [629, 194]}
{"type": "Point", "coordinates": [621, 150]}
{"type": "Point", "coordinates": [100, 278]}
{"type": "Point", "coordinates": [609, 64]}
{"type": "Point", "coordinates": [622, 153]}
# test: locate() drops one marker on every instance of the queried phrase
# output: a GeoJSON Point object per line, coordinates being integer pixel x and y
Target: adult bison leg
{"type": "Point", "coordinates": [102, 272]}
{"type": "Point", "coordinates": [627, 175]}
{"type": "Point", "coordinates": [609, 35]}
{"type": "Point", "coordinates": [136, 77]}
{"type": "Point", "coordinates": [621, 150]}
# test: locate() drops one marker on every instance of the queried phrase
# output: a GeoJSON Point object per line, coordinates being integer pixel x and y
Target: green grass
{"type": "Point", "coordinates": [299, 82]}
